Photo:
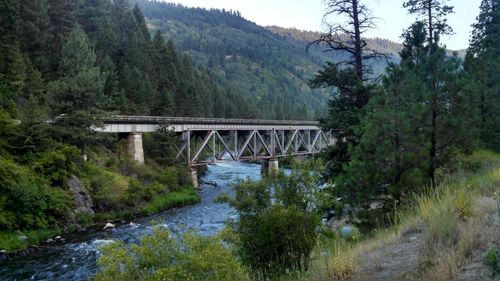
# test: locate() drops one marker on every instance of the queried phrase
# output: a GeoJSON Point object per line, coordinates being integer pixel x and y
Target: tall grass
{"type": "Point", "coordinates": [9, 240]}
{"type": "Point", "coordinates": [174, 199]}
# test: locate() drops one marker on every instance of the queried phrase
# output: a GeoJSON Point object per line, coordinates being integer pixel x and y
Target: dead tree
{"type": "Point", "coordinates": [348, 35]}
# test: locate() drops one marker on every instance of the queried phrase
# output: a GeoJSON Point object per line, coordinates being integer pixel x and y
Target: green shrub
{"type": "Point", "coordinates": [163, 256]}
{"type": "Point", "coordinates": [181, 198]}
{"type": "Point", "coordinates": [9, 240]}
{"type": "Point", "coordinates": [108, 189]}
{"type": "Point", "coordinates": [84, 219]}
{"type": "Point", "coordinates": [25, 202]}
{"type": "Point", "coordinates": [492, 259]}
{"type": "Point", "coordinates": [170, 178]}
{"type": "Point", "coordinates": [57, 165]}
{"type": "Point", "coordinates": [278, 223]}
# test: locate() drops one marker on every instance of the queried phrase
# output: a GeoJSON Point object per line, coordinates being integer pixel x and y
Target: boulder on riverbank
{"type": "Point", "coordinates": [3, 256]}
{"type": "Point", "coordinates": [109, 226]}
{"type": "Point", "coordinates": [81, 196]}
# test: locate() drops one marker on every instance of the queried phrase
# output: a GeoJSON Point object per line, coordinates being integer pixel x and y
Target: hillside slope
{"type": "Point", "coordinates": [269, 64]}
{"type": "Point", "coordinates": [270, 68]}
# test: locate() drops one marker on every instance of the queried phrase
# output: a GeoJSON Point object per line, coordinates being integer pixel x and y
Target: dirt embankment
{"type": "Point", "coordinates": [415, 254]}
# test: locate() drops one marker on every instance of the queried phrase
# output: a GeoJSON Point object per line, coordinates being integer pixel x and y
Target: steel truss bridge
{"type": "Point", "coordinates": [218, 139]}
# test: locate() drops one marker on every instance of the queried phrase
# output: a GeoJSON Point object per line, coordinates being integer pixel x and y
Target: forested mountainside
{"type": "Point", "coordinates": [103, 51]}
{"type": "Point", "coordinates": [266, 67]}
{"type": "Point", "coordinates": [268, 64]}
{"type": "Point", "coordinates": [381, 45]}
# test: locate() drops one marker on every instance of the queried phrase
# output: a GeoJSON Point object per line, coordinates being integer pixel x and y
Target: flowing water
{"type": "Point", "coordinates": [76, 259]}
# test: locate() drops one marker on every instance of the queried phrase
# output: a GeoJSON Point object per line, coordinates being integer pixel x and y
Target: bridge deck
{"type": "Point", "coordinates": [143, 124]}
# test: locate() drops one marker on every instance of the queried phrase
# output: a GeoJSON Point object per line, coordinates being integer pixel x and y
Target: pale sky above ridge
{"type": "Point", "coordinates": [308, 14]}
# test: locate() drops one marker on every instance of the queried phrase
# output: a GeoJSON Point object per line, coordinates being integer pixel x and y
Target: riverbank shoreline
{"type": "Point", "coordinates": [20, 243]}
{"type": "Point", "coordinates": [76, 259]}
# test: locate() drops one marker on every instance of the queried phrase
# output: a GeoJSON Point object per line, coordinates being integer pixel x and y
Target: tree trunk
{"type": "Point", "coordinates": [358, 56]}
{"type": "Point", "coordinates": [431, 29]}
{"type": "Point", "coordinates": [432, 152]}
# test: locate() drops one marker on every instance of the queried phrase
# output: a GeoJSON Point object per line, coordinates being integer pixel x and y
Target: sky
{"type": "Point", "coordinates": [308, 14]}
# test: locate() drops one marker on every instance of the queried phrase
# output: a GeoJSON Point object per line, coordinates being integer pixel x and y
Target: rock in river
{"type": "Point", "coordinates": [109, 226]}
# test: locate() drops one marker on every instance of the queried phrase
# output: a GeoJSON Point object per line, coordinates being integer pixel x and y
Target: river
{"type": "Point", "coordinates": [76, 259]}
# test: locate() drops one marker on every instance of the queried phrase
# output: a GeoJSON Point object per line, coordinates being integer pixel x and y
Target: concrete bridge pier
{"type": "Point", "coordinates": [135, 147]}
{"type": "Point", "coordinates": [194, 178]}
{"type": "Point", "coordinates": [273, 167]}
{"type": "Point", "coordinates": [270, 167]}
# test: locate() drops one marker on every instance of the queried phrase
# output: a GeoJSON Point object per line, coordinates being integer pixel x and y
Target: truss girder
{"type": "Point", "coordinates": [213, 145]}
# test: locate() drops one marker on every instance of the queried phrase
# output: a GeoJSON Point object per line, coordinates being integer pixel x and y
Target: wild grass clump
{"type": "Point", "coordinates": [333, 259]}
{"type": "Point", "coordinates": [342, 264]}
{"type": "Point", "coordinates": [492, 259]}
{"type": "Point", "coordinates": [443, 207]}
{"type": "Point", "coordinates": [457, 219]}
{"type": "Point", "coordinates": [181, 198]}
{"type": "Point", "coordinates": [10, 240]}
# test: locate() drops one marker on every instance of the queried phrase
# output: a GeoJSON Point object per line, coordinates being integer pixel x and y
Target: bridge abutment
{"type": "Point", "coordinates": [135, 147]}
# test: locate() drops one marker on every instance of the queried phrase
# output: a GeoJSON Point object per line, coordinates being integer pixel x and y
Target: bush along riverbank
{"type": "Point", "coordinates": [60, 193]}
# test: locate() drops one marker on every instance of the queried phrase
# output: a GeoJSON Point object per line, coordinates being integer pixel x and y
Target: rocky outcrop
{"type": "Point", "coordinates": [82, 199]}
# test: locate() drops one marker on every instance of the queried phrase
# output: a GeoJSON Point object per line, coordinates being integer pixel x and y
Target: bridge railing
{"type": "Point", "coordinates": [197, 120]}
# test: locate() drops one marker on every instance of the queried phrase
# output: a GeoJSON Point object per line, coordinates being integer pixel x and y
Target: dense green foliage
{"type": "Point", "coordinates": [278, 222]}
{"type": "Point", "coordinates": [412, 125]}
{"type": "Point", "coordinates": [164, 256]}
{"type": "Point", "coordinates": [26, 202]}
{"type": "Point", "coordinates": [481, 67]}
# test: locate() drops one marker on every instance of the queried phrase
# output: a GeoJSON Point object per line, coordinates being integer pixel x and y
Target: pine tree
{"type": "Point", "coordinates": [349, 78]}
{"type": "Point", "coordinates": [481, 64]}
{"type": "Point", "coordinates": [35, 33]}
{"type": "Point", "coordinates": [62, 19]}
{"type": "Point", "coordinates": [96, 17]}
{"type": "Point", "coordinates": [34, 87]}
{"type": "Point", "coordinates": [114, 96]}
{"type": "Point", "coordinates": [391, 153]}
{"type": "Point", "coordinates": [412, 114]}
{"type": "Point", "coordinates": [12, 67]}
{"type": "Point", "coordinates": [80, 86]}
{"type": "Point", "coordinates": [434, 14]}
{"type": "Point", "coordinates": [141, 23]}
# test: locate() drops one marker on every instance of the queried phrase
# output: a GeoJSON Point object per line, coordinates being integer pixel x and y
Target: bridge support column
{"type": "Point", "coordinates": [273, 168]}
{"type": "Point", "coordinates": [194, 178]}
{"type": "Point", "coordinates": [135, 147]}
{"type": "Point", "coordinates": [270, 168]}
